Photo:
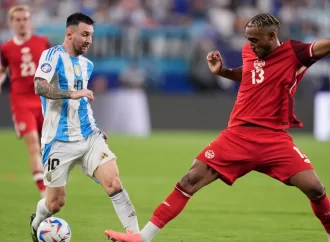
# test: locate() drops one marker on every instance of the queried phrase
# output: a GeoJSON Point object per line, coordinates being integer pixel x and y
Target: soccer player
{"type": "Point", "coordinates": [21, 55]}
{"type": "Point", "coordinates": [69, 134]}
{"type": "Point", "coordinates": [255, 138]}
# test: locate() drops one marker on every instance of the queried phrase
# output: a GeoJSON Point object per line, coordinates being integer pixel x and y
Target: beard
{"type": "Point", "coordinates": [79, 50]}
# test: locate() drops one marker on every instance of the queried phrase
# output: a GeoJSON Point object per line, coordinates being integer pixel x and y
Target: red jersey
{"type": "Point", "coordinates": [22, 60]}
{"type": "Point", "coordinates": [265, 96]}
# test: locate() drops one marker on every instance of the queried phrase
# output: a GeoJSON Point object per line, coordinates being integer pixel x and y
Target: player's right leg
{"type": "Point", "coordinates": [46, 207]}
{"type": "Point", "coordinates": [26, 125]}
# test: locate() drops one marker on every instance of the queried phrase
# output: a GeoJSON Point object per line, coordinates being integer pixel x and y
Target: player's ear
{"type": "Point", "coordinates": [69, 33]}
{"type": "Point", "coordinates": [272, 35]}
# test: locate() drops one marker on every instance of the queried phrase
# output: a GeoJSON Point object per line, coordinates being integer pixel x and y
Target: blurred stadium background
{"type": "Point", "coordinates": [151, 80]}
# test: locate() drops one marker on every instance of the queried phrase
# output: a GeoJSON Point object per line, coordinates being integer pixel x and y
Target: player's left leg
{"type": "Point", "coordinates": [27, 127]}
{"type": "Point", "coordinates": [309, 183]}
{"type": "Point", "coordinates": [281, 159]}
{"type": "Point", "coordinates": [99, 162]}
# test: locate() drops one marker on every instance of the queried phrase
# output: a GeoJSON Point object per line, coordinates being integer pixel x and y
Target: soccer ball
{"type": "Point", "coordinates": [54, 230]}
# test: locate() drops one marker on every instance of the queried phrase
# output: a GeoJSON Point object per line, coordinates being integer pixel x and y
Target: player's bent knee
{"type": "Point", "coordinates": [198, 176]}
{"type": "Point", "coordinates": [187, 184]}
{"type": "Point", "coordinates": [54, 205]}
{"type": "Point", "coordinates": [112, 185]}
{"type": "Point", "coordinates": [316, 190]}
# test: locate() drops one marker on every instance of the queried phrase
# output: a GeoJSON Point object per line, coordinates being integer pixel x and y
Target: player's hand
{"type": "Point", "coordinates": [82, 93]}
{"type": "Point", "coordinates": [214, 60]}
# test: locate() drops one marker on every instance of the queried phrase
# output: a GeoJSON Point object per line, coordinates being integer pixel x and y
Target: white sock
{"type": "Point", "coordinates": [42, 213]}
{"type": "Point", "coordinates": [149, 232]}
{"type": "Point", "coordinates": [125, 211]}
{"type": "Point", "coordinates": [43, 194]}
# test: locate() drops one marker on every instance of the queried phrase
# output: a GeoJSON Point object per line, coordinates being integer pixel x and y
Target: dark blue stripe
{"type": "Point", "coordinates": [48, 52]}
{"type": "Point", "coordinates": [46, 151]}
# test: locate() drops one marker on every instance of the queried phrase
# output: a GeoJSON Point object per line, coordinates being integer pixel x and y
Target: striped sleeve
{"type": "Point", "coordinates": [47, 64]}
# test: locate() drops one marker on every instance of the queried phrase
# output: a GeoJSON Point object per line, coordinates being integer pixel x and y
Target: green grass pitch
{"type": "Point", "coordinates": [256, 209]}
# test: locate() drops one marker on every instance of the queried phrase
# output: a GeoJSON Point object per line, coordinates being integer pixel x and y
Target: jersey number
{"type": "Point", "coordinates": [28, 69]}
{"type": "Point", "coordinates": [52, 164]}
{"type": "Point", "coordinates": [301, 155]}
{"type": "Point", "coordinates": [78, 84]}
{"type": "Point", "coordinates": [257, 75]}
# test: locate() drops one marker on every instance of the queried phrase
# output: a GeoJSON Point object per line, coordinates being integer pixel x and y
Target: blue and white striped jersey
{"type": "Point", "coordinates": [65, 119]}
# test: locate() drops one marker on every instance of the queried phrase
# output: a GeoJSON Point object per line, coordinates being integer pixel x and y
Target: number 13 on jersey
{"type": "Point", "coordinates": [257, 75]}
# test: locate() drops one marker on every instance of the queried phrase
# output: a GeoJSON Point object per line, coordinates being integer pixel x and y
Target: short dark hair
{"type": "Point", "coordinates": [77, 18]}
{"type": "Point", "coordinates": [264, 20]}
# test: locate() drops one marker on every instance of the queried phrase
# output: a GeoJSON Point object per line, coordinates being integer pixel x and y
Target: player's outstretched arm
{"type": "Point", "coordinates": [215, 63]}
{"type": "Point", "coordinates": [321, 48]}
{"type": "Point", "coordinates": [43, 88]}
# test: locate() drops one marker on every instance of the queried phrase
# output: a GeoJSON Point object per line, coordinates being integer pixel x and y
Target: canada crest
{"type": "Point", "coordinates": [258, 63]}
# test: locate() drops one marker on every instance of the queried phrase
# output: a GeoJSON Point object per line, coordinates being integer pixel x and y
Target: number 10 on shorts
{"type": "Point", "coordinates": [52, 164]}
{"type": "Point", "coordinates": [301, 155]}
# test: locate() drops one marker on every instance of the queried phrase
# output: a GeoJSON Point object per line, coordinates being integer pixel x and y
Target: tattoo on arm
{"type": "Point", "coordinates": [43, 88]}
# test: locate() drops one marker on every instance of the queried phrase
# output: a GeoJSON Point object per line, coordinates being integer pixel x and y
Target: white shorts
{"type": "Point", "coordinates": [87, 154]}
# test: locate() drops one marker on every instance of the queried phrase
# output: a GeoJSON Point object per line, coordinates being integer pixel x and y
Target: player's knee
{"type": "Point", "coordinates": [54, 205]}
{"type": "Point", "coordinates": [315, 190]}
{"type": "Point", "coordinates": [188, 183]}
{"type": "Point", "coordinates": [112, 185]}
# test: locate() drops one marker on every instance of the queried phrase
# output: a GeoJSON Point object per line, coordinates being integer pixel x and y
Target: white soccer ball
{"type": "Point", "coordinates": [54, 229]}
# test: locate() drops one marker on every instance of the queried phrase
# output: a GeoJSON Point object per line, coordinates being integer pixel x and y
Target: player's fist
{"type": "Point", "coordinates": [214, 60]}
{"type": "Point", "coordinates": [82, 93]}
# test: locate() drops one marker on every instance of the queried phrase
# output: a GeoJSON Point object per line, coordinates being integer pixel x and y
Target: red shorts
{"type": "Point", "coordinates": [27, 120]}
{"type": "Point", "coordinates": [241, 149]}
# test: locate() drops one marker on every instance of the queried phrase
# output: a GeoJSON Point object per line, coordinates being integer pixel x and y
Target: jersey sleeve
{"type": "Point", "coordinates": [4, 61]}
{"type": "Point", "coordinates": [47, 64]}
{"type": "Point", "coordinates": [303, 52]}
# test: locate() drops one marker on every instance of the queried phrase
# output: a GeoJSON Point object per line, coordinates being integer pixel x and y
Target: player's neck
{"type": "Point", "coordinates": [277, 44]}
{"type": "Point", "coordinates": [21, 39]}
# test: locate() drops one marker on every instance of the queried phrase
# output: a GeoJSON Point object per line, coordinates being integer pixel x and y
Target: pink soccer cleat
{"type": "Point", "coordinates": [122, 237]}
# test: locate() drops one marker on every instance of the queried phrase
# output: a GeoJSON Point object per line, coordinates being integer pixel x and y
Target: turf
{"type": "Point", "coordinates": [255, 209]}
